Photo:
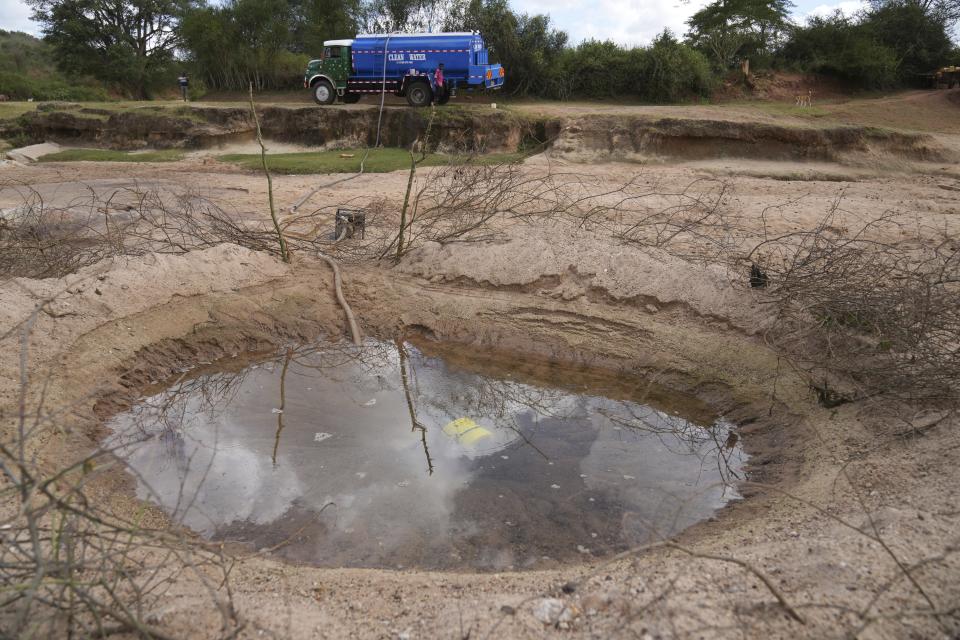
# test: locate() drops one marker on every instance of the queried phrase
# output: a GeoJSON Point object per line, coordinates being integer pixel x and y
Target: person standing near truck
{"type": "Point", "coordinates": [438, 87]}
{"type": "Point", "coordinates": [184, 83]}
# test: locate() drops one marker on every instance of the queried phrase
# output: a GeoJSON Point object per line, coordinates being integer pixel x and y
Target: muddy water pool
{"type": "Point", "coordinates": [420, 454]}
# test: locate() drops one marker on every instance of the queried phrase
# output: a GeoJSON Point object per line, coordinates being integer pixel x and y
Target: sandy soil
{"type": "Point", "coordinates": [846, 495]}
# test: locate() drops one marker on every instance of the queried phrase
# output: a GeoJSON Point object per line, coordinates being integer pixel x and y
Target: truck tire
{"type": "Point", "coordinates": [444, 97]}
{"type": "Point", "coordinates": [351, 98]}
{"type": "Point", "coordinates": [323, 92]}
{"type": "Point", "coordinates": [419, 94]}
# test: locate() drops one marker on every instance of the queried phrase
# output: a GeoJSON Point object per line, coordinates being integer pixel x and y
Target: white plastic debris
{"type": "Point", "coordinates": [275, 410]}
{"type": "Point", "coordinates": [370, 402]}
{"type": "Point", "coordinates": [552, 611]}
{"type": "Point", "coordinates": [320, 436]}
{"type": "Point", "coordinates": [554, 486]}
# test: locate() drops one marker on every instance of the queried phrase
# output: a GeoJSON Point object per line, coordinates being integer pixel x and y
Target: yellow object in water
{"type": "Point", "coordinates": [466, 431]}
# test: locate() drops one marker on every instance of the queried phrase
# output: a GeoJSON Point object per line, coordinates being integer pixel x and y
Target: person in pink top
{"type": "Point", "coordinates": [438, 87]}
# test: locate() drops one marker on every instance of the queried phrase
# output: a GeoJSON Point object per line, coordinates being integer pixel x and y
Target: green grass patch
{"type": "Point", "coordinates": [109, 155]}
{"type": "Point", "coordinates": [379, 160]}
{"type": "Point", "coordinates": [11, 110]}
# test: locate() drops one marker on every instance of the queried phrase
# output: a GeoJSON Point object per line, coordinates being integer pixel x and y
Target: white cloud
{"type": "Point", "coordinates": [632, 22]}
{"type": "Point", "coordinates": [15, 16]}
{"type": "Point", "coordinates": [628, 22]}
{"type": "Point", "coordinates": [847, 7]}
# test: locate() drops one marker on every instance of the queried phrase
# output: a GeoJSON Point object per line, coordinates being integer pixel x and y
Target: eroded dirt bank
{"type": "Point", "coordinates": [657, 136]}
{"type": "Point", "coordinates": [689, 139]}
{"type": "Point", "coordinates": [120, 324]}
{"type": "Point", "coordinates": [203, 127]}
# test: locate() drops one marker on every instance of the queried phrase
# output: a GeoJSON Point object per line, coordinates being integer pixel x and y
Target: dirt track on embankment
{"type": "Point", "coordinates": [561, 293]}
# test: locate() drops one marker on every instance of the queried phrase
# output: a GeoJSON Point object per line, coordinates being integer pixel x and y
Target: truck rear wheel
{"type": "Point", "coordinates": [419, 94]}
{"type": "Point", "coordinates": [323, 92]}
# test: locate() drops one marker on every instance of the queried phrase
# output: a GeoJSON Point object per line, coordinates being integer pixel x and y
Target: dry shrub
{"type": "Point", "coordinates": [472, 202]}
{"type": "Point", "coordinates": [881, 315]}
{"type": "Point", "coordinates": [39, 240]}
{"type": "Point", "coordinates": [694, 222]}
{"type": "Point", "coordinates": [864, 306]}
{"type": "Point", "coordinates": [69, 566]}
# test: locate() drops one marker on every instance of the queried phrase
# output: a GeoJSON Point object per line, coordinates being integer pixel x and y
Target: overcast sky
{"type": "Point", "coordinates": [623, 21]}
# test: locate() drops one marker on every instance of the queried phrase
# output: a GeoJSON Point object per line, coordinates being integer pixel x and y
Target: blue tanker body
{"type": "Point", "coordinates": [402, 64]}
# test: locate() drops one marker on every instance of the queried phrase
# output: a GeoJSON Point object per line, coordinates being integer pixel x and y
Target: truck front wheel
{"type": "Point", "coordinates": [323, 92]}
{"type": "Point", "coordinates": [419, 94]}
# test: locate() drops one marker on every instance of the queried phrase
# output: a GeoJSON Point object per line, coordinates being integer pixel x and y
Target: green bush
{"type": "Point", "coordinates": [840, 47]}
{"type": "Point", "coordinates": [667, 71]}
{"type": "Point", "coordinates": [21, 87]}
{"type": "Point", "coordinates": [675, 71]}
{"type": "Point", "coordinates": [196, 89]}
{"type": "Point", "coordinates": [65, 92]}
{"type": "Point", "coordinates": [598, 70]}
{"type": "Point", "coordinates": [889, 46]}
{"type": "Point", "coordinates": [918, 39]}
{"type": "Point", "coordinates": [15, 86]}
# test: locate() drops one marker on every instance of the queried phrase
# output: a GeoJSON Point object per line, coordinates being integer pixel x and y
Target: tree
{"type": "Point", "coordinates": [918, 37]}
{"type": "Point", "coordinates": [674, 71]}
{"type": "Point", "coordinates": [123, 42]}
{"type": "Point", "coordinates": [946, 11]}
{"type": "Point", "coordinates": [730, 29]}
{"type": "Point", "coordinates": [391, 16]}
{"type": "Point", "coordinates": [841, 46]}
{"type": "Point", "coordinates": [885, 46]}
{"type": "Point", "coordinates": [314, 21]}
{"type": "Point", "coordinates": [526, 45]}
{"type": "Point", "coordinates": [242, 42]}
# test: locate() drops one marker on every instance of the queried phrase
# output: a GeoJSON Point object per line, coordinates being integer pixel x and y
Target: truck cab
{"type": "Point", "coordinates": [327, 76]}
{"type": "Point", "coordinates": [402, 64]}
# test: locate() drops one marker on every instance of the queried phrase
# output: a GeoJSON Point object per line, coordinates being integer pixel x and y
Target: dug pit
{"type": "Point", "coordinates": [426, 454]}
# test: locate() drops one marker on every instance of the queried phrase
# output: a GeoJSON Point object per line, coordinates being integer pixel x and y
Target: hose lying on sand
{"type": "Point", "coordinates": [354, 328]}
{"type": "Point", "coordinates": [351, 319]}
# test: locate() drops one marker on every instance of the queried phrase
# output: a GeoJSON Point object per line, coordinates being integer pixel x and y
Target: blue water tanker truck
{"type": "Point", "coordinates": [401, 64]}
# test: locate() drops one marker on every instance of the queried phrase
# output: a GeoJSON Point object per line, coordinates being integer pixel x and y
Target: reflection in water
{"type": "Point", "coordinates": [427, 456]}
